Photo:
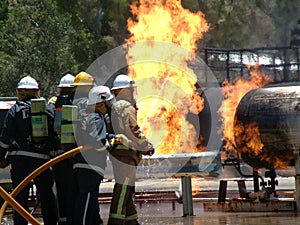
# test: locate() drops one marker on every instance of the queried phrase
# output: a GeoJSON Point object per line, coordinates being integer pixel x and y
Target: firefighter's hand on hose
{"type": "Point", "coordinates": [123, 139]}
{"type": "Point", "coordinates": [111, 139]}
{"type": "Point", "coordinates": [150, 150]}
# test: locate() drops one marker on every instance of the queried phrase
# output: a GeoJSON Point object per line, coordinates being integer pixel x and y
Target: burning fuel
{"type": "Point", "coordinates": [233, 93]}
{"type": "Point", "coordinates": [170, 88]}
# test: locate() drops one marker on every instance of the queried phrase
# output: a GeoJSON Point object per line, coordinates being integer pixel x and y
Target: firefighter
{"type": "Point", "coordinates": [126, 153]}
{"type": "Point", "coordinates": [27, 150]}
{"type": "Point", "coordinates": [65, 90]}
{"type": "Point", "coordinates": [89, 166]}
{"type": "Point", "coordinates": [63, 171]}
{"type": "Point", "coordinates": [83, 83]}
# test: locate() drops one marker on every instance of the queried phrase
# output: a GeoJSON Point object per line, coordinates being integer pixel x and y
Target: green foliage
{"type": "Point", "coordinates": [3, 9]}
{"type": "Point", "coordinates": [49, 38]}
{"type": "Point", "coordinates": [36, 41]}
{"type": "Point", "coordinates": [249, 24]}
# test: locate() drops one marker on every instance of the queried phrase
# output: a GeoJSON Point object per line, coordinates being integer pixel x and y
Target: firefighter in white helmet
{"type": "Point", "coordinates": [126, 152]}
{"type": "Point", "coordinates": [63, 171]}
{"type": "Point", "coordinates": [89, 166]}
{"type": "Point", "coordinates": [65, 88]}
{"type": "Point", "coordinates": [25, 154]}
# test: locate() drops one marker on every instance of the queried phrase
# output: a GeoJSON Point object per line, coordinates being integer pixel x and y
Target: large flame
{"type": "Point", "coordinates": [166, 91]}
{"type": "Point", "coordinates": [233, 93]}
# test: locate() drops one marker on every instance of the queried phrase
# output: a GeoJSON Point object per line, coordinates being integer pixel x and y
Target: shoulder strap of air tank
{"type": "Point", "coordinates": [21, 103]}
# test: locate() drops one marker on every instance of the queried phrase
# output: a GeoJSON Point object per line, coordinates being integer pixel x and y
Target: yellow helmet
{"type": "Point", "coordinates": [83, 78]}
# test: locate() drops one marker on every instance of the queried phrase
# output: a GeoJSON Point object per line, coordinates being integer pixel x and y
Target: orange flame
{"type": "Point", "coordinates": [233, 93]}
{"type": "Point", "coordinates": [166, 91]}
{"type": "Point", "coordinates": [247, 138]}
{"type": "Point", "coordinates": [249, 135]}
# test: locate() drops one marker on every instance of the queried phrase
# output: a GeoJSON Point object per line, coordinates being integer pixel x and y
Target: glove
{"type": "Point", "coordinates": [123, 139]}
{"type": "Point", "coordinates": [3, 162]}
{"type": "Point", "coordinates": [150, 150]}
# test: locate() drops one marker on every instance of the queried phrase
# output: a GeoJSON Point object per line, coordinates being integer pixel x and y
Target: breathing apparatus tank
{"type": "Point", "coordinates": [69, 118]}
{"type": "Point", "coordinates": [60, 101]}
{"type": "Point", "coordinates": [39, 120]}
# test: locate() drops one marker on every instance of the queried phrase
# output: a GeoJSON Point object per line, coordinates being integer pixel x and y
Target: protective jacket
{"type": "Point", "coordinates": [80, 102]}
{"type": "Point", "coordinates": [92, 131]}
{"type": "Point", "coordinates": [17, 132]}
{"type": "Point", "coordinates": [124, 121]}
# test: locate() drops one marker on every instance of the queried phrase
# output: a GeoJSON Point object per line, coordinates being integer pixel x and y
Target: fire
{"type": "Point", "coordinates": [233, 93]}
{"type": "Point", "coordinates": [166, 91]}
{"type": "Point", "coordinates": [247, 138]}
{"type": "Point", "coordinates": [248, 134]}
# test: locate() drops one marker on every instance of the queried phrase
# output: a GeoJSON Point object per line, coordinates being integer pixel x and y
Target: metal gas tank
{"type": "Point", "coordinates": [275, 113]}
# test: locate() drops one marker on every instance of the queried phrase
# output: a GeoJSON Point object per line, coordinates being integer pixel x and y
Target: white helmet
{"type": "Point", "coordinates": [28, 83]}
{"type": "Point", "coordinates": [122, 81]}
{"type": "Point", "coordinates": [99, 94]}
{"type": "Point", "coordinates": [66, 81]}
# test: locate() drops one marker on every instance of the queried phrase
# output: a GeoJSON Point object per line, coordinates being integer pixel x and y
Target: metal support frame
{"type": "Point", "coordinates": [297, 178]}
{"type": "Point", "coordinates": [288, 54]}
{"type": "Point", "coordinates": [223, 190]}
{"type": "Point", "coordinates": [187, 198]}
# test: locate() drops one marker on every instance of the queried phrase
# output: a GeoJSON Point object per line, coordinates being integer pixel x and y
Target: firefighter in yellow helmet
{"type": "Point", "coordinates": [26, 152]}
{"type": "Point", "coordinates": [126, 153]}
{"type": "Point", "coordinates": [83, 83]}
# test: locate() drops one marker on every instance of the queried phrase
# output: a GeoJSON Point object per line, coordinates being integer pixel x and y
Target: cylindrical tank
{"type": "Point", "coordinates": [272, 116]}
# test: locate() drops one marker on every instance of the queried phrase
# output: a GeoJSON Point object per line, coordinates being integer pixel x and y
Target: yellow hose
{"type": "Point", "coordinates": [38, 171]}
{"type": "Point", "coordinates": [18, 207]}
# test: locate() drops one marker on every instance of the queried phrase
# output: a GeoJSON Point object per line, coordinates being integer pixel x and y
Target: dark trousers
{"type": "Point", "coordinates": [21, 167]}
{"type": "Point", "coordinates": [122, 208]}
{"type": "Point", "coordinates": [64, 180]}
{"type": "Point", "coordinates": [87, 210]}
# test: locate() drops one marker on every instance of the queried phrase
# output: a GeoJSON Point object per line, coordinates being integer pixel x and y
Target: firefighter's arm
{"type": "Point", "coordinates": [97, 130]}
{"type": "Point", "coordinates": [124, 140]}
{"type": "Point", "coordinates": [144, 144]}
{"type": "Point", "coordinates": [3, 152]}
{"type": "Point", "coordinates": [6, 136]}
{"type": "Point", "coordinates": [148, 148]}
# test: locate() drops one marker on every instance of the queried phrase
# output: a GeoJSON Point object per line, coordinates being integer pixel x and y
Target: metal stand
{"type": "Point", "coordinates": [187, 198]}
{"type": "Point", "coordinates": [223, 190]}
{"type": "Point", "coordinates": [297, 178]}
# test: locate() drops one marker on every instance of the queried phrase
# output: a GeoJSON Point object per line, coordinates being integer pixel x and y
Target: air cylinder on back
{"type": "Point", "coordinates": [39, 119]}
{"type": "Point", "coordinates": [68, 124]}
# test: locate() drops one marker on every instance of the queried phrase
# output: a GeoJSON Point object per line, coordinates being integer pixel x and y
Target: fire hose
{"type": "Point", "coordinates": [10, 198]}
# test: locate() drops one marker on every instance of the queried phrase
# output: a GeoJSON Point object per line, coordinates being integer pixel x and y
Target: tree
{"type": "Point", "coordinates": [36, 40]}
{"type": "Point", "coordinates": [249, 24]}
{"type": "Point", "coordinates": [49, 38]}
{"type": "Point", "coordinates": [284, 15]}
{"type": "Point", "coordinates": [100, 26]}
{"type": "Point", "coordinates": [3, 9]}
